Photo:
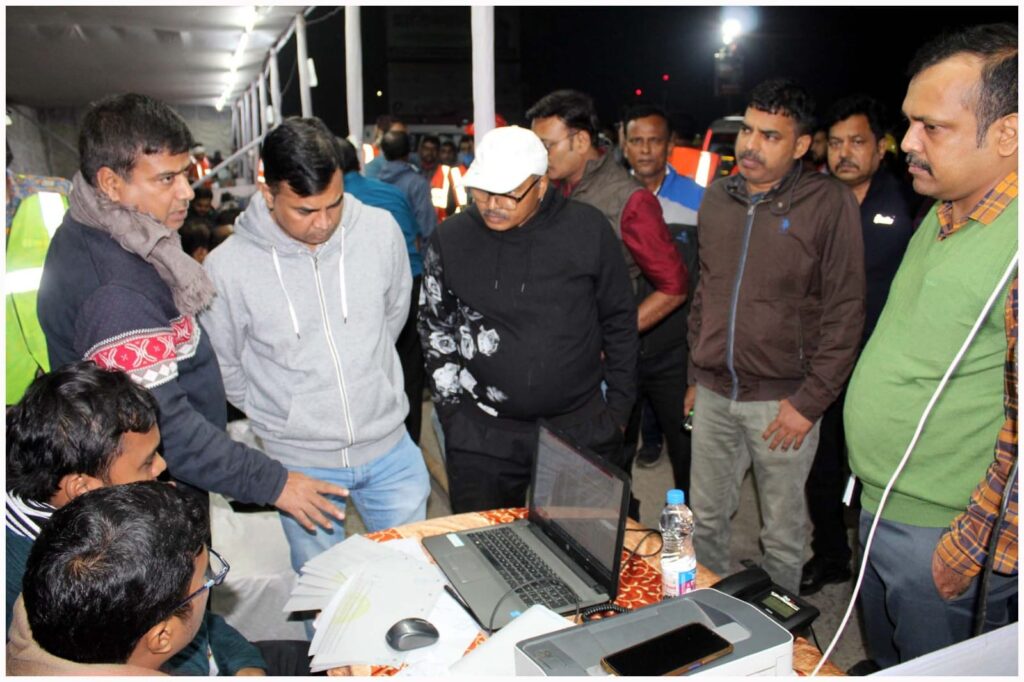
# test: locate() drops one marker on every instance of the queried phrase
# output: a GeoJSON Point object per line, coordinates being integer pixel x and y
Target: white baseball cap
{"type": "Point", "coordinates": [505, 158]}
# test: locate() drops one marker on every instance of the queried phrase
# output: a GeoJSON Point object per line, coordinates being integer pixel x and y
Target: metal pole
{"type": "Point", "coordinates": [254, 112]}
{"type": "Point", "coordinates": [254, 109]}
{"type": "Point", "coordinates": [234, 129]}
{"type": "Point", "coordinates": [275, 87]}
{"type": "Point", "coordinates": [354, 77]}
{"type": "Point", "coordinates": [482, 28]}
{"type": "Point", "coordinates": [246, 136]}
{"type": "Point", "coordinates": [302, 58]}
{"type": "Point", "coordinates": [262, 90]}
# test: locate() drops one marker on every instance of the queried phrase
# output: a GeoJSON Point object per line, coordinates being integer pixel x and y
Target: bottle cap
{"type": "Point", "coordinates": [675, 496]}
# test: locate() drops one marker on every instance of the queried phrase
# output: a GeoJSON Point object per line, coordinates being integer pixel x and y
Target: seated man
{"type": "Point", "coordinates": [80, 428]}
{"type": "Point", "coordinates": [76, 616]}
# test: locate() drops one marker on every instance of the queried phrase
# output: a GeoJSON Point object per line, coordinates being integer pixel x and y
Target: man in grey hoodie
{"type": "Point", "coordinates": [399, 172]}
{"type": "Point", "coordinates": [312, 292]}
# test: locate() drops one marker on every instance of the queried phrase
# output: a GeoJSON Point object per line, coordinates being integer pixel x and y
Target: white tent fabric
{"type": "Point", "coordinates": [69, 56]}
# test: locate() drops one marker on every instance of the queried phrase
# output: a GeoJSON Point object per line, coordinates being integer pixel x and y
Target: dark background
{"type": "Point", "coordinates": [420, 57]}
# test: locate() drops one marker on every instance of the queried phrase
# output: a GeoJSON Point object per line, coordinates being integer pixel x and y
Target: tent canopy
{"type": "Point", "coordinates": [70, 56]}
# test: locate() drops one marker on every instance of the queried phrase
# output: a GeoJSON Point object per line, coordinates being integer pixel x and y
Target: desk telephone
{"type": "Point", "coordinates": [755, 587]}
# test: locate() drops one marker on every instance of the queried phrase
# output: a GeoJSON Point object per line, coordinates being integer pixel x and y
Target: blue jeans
{"type": "Point", "coordinates": [904, 616]}
{"type": "Point", "coordinates": [389, 491]}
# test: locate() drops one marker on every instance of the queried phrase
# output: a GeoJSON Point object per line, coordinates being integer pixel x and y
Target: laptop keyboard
{"type": "Point", "coordinates": [518, 564]}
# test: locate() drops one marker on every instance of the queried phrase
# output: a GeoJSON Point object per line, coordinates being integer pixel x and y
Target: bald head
{"type": "Point", "coordinates": [395, 145]}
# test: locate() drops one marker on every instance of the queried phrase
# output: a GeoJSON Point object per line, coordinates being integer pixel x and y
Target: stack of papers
{"type": "Point", "coordinates": [362, 588]}
{"type": "Point", "coordinates": [323, 575]}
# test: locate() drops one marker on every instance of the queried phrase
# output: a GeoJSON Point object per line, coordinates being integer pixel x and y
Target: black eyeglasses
{"type": "Point", "coordinates": [506, 201]}
{"type": "Point", "coordinates": [215, 576]}
{"type": "Point", "coordinates": [550, 144]}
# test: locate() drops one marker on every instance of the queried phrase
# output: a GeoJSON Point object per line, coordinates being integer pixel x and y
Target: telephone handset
{"type": "Point", "coordinates": [755, 586]}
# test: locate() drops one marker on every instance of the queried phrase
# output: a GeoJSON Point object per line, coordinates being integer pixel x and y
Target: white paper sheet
{"type": "Point", "coordinates": [496, 656]}
{"type": "Point", "coordinates": [351, 630]}
{"type": "Point", "coordinates": [323, 575]}
{"type": "Point", "coordinates": [457, 629]}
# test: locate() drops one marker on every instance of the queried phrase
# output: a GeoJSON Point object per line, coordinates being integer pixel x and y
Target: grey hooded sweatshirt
{"type": "Point", "coordinates": [306, 338]}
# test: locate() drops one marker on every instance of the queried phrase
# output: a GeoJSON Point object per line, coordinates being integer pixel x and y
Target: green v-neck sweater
{"type": "Point", "coordinates": [936, 296]}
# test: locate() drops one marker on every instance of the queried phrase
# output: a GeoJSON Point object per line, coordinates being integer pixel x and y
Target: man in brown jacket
{"type": "Point", "coordinates": [774, 329]}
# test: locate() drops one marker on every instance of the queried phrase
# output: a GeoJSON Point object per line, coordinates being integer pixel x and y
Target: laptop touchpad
{"type": "Point", "coordinates": [468, 568]}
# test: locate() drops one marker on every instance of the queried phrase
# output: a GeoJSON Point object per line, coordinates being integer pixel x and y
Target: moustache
{"type": "Point", "coordinates": [750, 154]}
{"type": "Point", "coordinates": [844, 163]}
{"type": "Point", "coordinates": [918, 163]}
{"type": "Point", "coordinates": [494, 215]}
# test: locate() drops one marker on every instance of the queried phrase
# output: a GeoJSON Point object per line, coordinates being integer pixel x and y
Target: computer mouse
{"type": "Point", "coordinates": [411, 633]}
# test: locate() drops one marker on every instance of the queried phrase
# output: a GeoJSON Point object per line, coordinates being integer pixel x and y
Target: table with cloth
{"type": "Point", "coordinates": [639, 579]}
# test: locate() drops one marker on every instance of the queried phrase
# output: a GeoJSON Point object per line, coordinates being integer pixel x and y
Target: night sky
{"type": "Point", "coordinates": [609, 52]}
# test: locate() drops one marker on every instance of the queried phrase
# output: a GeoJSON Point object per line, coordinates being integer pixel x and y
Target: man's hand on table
{"type": "Point", "coordinates": [303, 498]}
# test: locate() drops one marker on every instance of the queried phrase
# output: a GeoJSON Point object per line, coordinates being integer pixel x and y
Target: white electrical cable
{"type": "Point", "coordinates": [910, 448]}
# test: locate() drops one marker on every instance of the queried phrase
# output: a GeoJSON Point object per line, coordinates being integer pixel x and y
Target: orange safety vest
{"type": "Point", "coordinates": [369, 152]}
{"type": "Point", "coordinates": [700, 166]}
{"type": "Point", "coordinates": [199, 169]}
{"type": "Point", "coordinates": [457, 175]}
{"type": "Point", "coordinates": [440, 185]}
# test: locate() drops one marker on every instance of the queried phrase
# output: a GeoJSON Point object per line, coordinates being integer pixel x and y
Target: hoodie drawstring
{"type": "Point", "coordinates": [341, 277]}
{"type": "Point", "coordinates": [529, 266]}
{"type": "Point", "coordinates": [280, 279]}
{"type": "Point", "coordinates": [497, 264]}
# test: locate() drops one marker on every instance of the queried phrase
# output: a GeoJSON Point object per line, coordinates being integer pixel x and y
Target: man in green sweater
{"type": "Point", "coordinates": [919, 593]}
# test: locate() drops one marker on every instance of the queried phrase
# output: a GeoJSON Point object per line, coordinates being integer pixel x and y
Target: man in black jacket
{"type": "Point", "coordinates": [526, 310]}
{"type": "Point", "coordinates": [118, 289]}
{"type": "Point", "coordinates": [856, 147]}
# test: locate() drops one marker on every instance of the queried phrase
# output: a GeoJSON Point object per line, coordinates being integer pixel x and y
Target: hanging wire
{"type": "Point", "coordinates": [313, 22]}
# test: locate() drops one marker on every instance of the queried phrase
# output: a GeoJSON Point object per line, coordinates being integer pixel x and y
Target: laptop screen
{"type": "Point", "coordinates": [580, 500]}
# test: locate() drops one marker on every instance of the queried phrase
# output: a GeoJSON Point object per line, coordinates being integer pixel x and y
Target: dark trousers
{"type": "Point", "coordinates": [825, 486]}
{"type": "Point", "coordinates": [662, 381]}
{"type": "Point", "coordinates": [904, 617]}
{"type": "Point", "coordinates": [489, 460]}
{"type": "Point", "coordinates": [650, 429]}
{"type": "Point", "coordinates": [285, 657]}
{"type": "Point", "coordinates": [410, 353]}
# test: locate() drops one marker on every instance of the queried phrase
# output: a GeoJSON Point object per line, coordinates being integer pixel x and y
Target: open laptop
{"type": "Point", "coordinates": [578, 504]}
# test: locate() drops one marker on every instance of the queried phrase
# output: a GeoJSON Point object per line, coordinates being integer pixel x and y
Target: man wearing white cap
{"type": "Point", "coordinates": [526, 308]}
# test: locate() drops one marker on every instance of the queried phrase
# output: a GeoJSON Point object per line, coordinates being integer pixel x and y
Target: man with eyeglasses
{"type": "Point", "coordinates": [116, 584]}
{"type": "Point", "coordinates": [566, 122]}
{"type": "Point", "coordinates": [525, 310]}
{"type": "Point", "coordinates": [108, 438]}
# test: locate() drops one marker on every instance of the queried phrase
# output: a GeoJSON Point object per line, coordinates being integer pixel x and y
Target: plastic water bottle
{"type": "Point", "coordinates": [678, 561]}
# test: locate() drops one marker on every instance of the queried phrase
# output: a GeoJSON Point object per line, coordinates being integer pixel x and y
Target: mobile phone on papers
{"type": "Point", "coordinates": [675, 652]}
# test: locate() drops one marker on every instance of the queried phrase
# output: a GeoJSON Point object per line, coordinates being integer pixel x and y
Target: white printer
{"type": "Point", "coordinates": [760, 645]}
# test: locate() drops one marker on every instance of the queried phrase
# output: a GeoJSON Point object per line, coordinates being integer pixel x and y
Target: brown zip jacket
{"type": "Point", "coordinates": [779, 306]}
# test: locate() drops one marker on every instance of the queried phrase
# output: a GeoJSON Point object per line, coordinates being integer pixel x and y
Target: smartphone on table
{"type": "Point", "coordinates": [675, 652]}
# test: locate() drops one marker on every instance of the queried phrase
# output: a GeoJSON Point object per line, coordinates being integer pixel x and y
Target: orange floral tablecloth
{"type": "Point", "coordinates": [639, 578]}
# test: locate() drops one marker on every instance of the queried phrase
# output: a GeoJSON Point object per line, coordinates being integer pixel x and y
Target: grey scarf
{"type": "Point", "coordinates": [141, 234]}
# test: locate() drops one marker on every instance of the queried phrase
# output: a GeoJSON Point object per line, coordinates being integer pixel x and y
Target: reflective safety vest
{"type": "Point", "coordinates": [458, 173]}
{"type": "Point", "coordinates": [199, 169]}
{"type": "Point", "coordinates": [38, 217]}
{"type": "Point", "coordinates": [700, 166]}
{"type": "Point", "coordinates": [440, 185]}
{"type": "Point", "coordinates": [368, 153]}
